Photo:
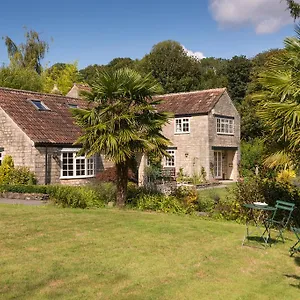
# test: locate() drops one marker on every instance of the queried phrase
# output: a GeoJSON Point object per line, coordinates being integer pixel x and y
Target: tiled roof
{"type": "Point", "coordinates": [191, 102]}
{"type": "Point", "coordinates": [83, 87]}
{"type": "Point", "coordinates": [53, 126]}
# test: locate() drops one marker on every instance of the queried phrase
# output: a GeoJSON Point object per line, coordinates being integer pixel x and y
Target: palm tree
{"type": "Point", "coordinates": [123, 122]}
{"type": "Point", "coordinates": [280, 108]}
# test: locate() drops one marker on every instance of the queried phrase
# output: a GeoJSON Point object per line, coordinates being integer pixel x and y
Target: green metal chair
{"type": "Point", "coordinates": [296, 247]}
{"type": "Point", "coordinates": [280, 219]}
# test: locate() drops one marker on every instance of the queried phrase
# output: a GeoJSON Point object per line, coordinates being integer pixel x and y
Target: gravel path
{"type": "Point", "coordinates": [24, 202]}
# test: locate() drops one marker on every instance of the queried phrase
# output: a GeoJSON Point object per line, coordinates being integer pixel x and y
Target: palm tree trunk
{"type": "Point", "coordinates": [122, 181]}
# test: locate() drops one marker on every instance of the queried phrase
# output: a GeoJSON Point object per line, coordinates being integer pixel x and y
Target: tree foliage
{"type": "Point", "coordinates": [28, 54]}
{"type": "Point", "coordinates": [280, 101]}
{"type": "Point", "coordinates": [172, 67]}
{"type": "Point", "coordinates": [20, 78]}
{"type": "Point", "coordinates": [294, 8]}
{"type": "Point", "coordinates": [61, 75]}
{"type": "Point", "coordinates": [238, 76]}
{"type": "Point", "coordinates": [123, 123]}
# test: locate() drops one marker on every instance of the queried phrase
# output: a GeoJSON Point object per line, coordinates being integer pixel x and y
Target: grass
{"type": "Point", "coordinates": [52, 253]}
{"type": "Point", "coordinates": [222, 193]}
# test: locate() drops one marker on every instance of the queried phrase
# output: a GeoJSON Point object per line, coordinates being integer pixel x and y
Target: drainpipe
{"type": "Point", "coordinates": [46, 165]}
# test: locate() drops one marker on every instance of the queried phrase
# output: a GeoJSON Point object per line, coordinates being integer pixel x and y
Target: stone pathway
{"type": "Point", "coordinates": [24, 202]}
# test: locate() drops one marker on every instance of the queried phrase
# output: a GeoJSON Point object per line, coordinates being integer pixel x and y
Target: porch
{"type": "Point", "coordinates": [225, 164]}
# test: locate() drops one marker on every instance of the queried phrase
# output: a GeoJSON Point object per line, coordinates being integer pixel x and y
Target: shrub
{"type": "Point", "coordinates": [257, 189]}
{"type": "Point", "coordinates": [22, 175]}
{"type": "Point", "coordinates": [205, 203]}
{"type": "Point", "coordinates": [11, 175]}
{"type": "Point", "coordinates": [187, 196]}
{"type": "Point", "coordinates": [6, 169]}
{"type": "Point", "coordinates": [106, 191]}
{"type": "Point", "coordinates": [41, 189]}
{"type": "Point", "coordinates": [74, 196]}
{"type": "Point", "coordinates": [161, 203]}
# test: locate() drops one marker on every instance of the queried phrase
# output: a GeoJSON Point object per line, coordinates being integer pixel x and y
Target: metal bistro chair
{"type": "Point", "coordinates": [296, 247]}
{"type": "Point", "coordinates": [280, 219]}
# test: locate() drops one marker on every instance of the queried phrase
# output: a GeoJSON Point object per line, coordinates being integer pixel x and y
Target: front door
{"type": "Point", "coordinates": [218, 164]}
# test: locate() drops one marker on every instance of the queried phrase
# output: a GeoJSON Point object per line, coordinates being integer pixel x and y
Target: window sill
{"type": "Point", "coordinates": [77, 177]}
{"type": "Point", "coordinates": [180, 133]}
{"type": "Point", "coordinates": [221, 133]}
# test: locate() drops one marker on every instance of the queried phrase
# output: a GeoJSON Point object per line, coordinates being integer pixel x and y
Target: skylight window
{"type": "Point", "coordinates": [39, 105]}
{"type": "Point", "coordinates": [72, 105]}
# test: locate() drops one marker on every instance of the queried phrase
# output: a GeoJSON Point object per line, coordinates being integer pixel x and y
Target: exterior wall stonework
{"type": "Point", "coordinates": [16, 143]}
{"type": "Point", "coordinates": [228, 143]}
{"type": "Point", "coordinates": [196, 149]}
{"type": "Point", "coordinates": [191, 148]}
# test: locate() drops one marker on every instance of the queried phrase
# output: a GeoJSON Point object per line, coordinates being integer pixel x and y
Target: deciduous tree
{"type": "Point", "coordinates": [28, 54]}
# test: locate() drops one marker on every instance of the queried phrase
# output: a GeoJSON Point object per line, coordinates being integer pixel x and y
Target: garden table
{"type": "Point", "coordinates": [255, 222]}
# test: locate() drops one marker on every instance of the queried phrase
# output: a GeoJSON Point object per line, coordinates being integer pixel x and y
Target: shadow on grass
{"type": "Point", "coordinates": [257, 242]}
{"type": "Point", "coordinates": [297, 260]}
{"type": "Point", "coordinates": [296, 277]}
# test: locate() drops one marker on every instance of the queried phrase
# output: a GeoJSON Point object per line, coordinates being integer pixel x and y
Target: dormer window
{"type": "Point", "coordinates": [38, 104]}
{"type": "Point", "coordinates": [182, 125]}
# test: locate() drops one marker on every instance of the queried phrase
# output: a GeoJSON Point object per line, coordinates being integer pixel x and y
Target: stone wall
{"type": "Point", "coordinates": [229, 143]}
{"type": "Point", "coordinates": [191, 148]}
{"type": "Point", "coordinates": [16, 143]}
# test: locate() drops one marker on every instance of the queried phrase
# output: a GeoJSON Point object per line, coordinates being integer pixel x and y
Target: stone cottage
{"type": "Point", "coordinates": [205, 132]}
{"type": "Point", "coordinates": [38, 131]}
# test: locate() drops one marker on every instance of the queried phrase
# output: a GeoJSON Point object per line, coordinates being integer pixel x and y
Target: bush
{"type": "Point", "coordinates": [6, 169]}
{"type": "Point", "coordinates": [40, 189]}
{"type": "Point", "coordinates": [187, 196]}
{"type": "Point", "coordinates": [106, 191]}
{"type": "Point", "coordinates": [205, 203]}
{"type": "Point", "coordinates": [22, 175]}
{"type": "Point", "coordinates": [11, 175]}
{"type": "Point", "coordinates": [161, 203]}
{"type": "Point", "coordinates": [256, 189]}
{"type": "Point", "coordinates": [74, 196]}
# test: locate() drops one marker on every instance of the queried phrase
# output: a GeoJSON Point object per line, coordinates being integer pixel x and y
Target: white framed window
{"type": "Point", "coordinates": [170, 161]}
{"type": "Point", "coordinates": [225, 125]}
{"type": "Point", "coordinates": [1, 157]}
{"type": "Point", "coordinates": [182, 125]}
{"type": "Point", "coordinates": [73, 166]}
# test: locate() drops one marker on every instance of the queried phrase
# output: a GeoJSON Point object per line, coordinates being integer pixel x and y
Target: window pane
{"type": "Point", "coordinates": [225, 125]}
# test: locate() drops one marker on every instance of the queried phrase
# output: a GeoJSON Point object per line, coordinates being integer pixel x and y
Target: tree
{"type": "Point", "coordinates": [28, 54]}
{"type": "Point", "coordinates": [172, 67]}
{"type": "Point", "coordinates": [20, 78]}
{"type": "Point", "coordinates": [251, 124]}
{"type": "Point", "coordinates": [213, 73]}
{"type": "Point", "coordinates": [238, 76]}
{"type": "Point", "coordinates": [123, 122]}
{"type": "Point", "coordinates": [61, 75]}
{"type": "Point", "coordinates": [121, 62]}
{"type": "Point", "coordinates": [89, 74]}
{"type": "Point", "coordinates": [294, 8]}
{"type": "Point", "coordinates": [280, 108]}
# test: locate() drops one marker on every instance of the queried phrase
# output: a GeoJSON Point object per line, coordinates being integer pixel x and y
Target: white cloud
{"type": "Point", "coordinates": [197, 54]}
{"type": "Point", "coordinates": [266, 16]}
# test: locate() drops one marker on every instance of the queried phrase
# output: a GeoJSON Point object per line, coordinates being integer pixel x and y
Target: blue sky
{"type": "Point", "coordinates": [95, 32]}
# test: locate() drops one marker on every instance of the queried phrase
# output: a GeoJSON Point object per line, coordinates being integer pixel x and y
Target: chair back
{"type": "Point", "coordinates": [283, 212]}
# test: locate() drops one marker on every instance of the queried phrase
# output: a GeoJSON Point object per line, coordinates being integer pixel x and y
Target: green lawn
{"type": "Point", "coordinates": [52, 253]}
